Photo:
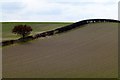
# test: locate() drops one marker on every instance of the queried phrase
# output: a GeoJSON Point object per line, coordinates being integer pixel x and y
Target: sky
{"type": "Point", "coordinates": [57, 10]}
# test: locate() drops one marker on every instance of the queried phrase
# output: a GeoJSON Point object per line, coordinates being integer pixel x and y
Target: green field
{"type": "Point", "coordinates": [36, 26]}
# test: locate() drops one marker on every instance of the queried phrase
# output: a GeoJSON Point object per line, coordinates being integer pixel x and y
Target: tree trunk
{"type": "Point", "coordinates": [23, 36]}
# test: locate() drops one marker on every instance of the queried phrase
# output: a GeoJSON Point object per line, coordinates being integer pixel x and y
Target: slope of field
{"type": "Point", "coordinates": [36, 26]}
{"type": "Point", "coordinates": [87, 52]}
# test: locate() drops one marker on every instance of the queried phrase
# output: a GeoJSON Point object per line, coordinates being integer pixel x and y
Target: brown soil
{"type": "Point", "coordinates": [87, 52]}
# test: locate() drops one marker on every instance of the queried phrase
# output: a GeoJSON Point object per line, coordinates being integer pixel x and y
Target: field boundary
{"type": "Point", "coordinates": [58, 30]}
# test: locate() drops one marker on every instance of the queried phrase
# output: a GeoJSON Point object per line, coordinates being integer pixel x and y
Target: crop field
{"type": "Point", "coordinates": [36, 26]}
{"type": "Point", "coordinates": [87, 52]}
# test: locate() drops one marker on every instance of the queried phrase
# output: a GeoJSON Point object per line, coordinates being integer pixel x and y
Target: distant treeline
{"type": "Point", "coordinates": [59, 30]}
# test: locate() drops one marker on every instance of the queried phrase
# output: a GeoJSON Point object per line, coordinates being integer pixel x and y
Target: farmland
{"type": "Point", "coordinates": [87, 52]}
{"type": "Point", "coordinates": [37, 27]}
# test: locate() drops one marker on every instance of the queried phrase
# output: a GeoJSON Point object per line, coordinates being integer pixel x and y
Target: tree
{"type": "Point", "coordinates": [23, 30]}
